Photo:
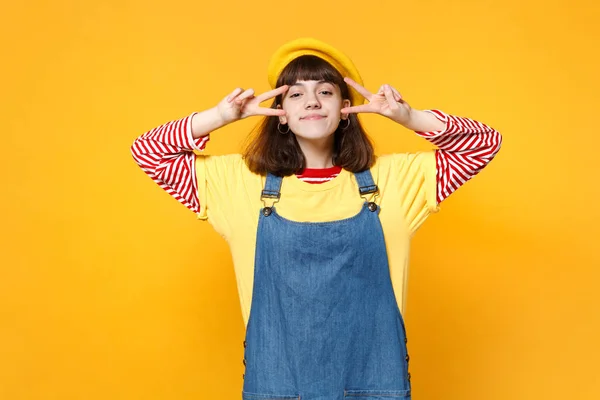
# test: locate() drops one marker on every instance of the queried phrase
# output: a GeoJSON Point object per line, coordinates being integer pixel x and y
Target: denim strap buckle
{"type": "Point", "coordinates": [271, 191]}
{"type": "Point", "coordinates": [368, 189]}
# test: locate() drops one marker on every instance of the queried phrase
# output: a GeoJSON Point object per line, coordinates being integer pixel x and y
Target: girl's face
{"type": "Point", "coordinates": [313, 108]}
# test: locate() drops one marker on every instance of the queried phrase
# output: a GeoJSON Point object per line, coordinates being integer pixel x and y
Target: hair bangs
{"type": "Point", "coordinates": [309, 68]}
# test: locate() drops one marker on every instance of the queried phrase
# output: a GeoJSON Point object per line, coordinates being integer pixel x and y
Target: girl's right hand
{"type": "Point", "coordinates": [242, 103]}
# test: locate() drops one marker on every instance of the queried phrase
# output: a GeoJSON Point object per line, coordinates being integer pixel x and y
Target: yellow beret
{"type": "Point", "coordinates": [299, 47]}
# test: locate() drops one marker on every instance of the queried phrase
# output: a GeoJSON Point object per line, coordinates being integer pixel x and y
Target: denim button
{"type": "Point", "coordinates": [243, 376]}
{"type": "Point", "coordinates": [267, 211]}
{"type": "Point", "coordinates": [405, 340]}
{"type": "Point", "coordinates": [409, 376]}
{"type": "Point", "coordinates": [407, 357]}
{"type": "Point", "coordinates": [244, 344]}
{"type": "Point", "coordinates": [244, 361]}
{"type": "Point", "coordinates": [372, 207]}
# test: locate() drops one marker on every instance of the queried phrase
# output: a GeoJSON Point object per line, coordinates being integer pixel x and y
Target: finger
{"type": "Point", "coordinates": [357, 109]}
{"type": "Point", "coordinates": [397, 94]}
{"type": "Point", "coordinates": [364, 92]}
{"type": "Point", "coordinates": [247, 93]}
{"type": "Point", "coordinates": [272, 93]}
{"type": "Point", "coordinates": [234, 93]}
{"type": "Point", "coordinates": [389, 95]}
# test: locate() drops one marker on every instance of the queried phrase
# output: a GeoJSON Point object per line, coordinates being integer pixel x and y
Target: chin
{"type": "Point", "coordinates": [305, 133]}
{"type": "Point", "coordinates": [312, 135]}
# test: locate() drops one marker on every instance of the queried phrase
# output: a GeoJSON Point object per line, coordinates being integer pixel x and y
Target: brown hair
{"type": "Point", "coordinates": [280, 154]}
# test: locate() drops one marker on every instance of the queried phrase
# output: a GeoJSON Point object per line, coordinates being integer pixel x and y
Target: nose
{"type": "Point", "coordinates": [312, 101]}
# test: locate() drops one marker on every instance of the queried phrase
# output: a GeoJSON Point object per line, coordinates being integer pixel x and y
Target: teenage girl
{"type": "Point", "coordinates": [318, 226]}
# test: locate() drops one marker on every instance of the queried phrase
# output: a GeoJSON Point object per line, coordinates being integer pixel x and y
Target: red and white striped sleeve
{"type": "Point", "coordinates": [166, 154]}
{"type": "Point", "coordinates": [465, 147]}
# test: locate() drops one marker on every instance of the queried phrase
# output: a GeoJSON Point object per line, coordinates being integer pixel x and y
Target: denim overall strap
{"type": "Point", "coordinates": [365, 182]}
{"type": "Point", "coordinates": [272, 187]}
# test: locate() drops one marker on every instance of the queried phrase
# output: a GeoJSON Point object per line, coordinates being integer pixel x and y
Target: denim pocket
{"type": "Point", "coordinates": [374, 394]}
{"type": "Point", "coordinates": [262, 396]}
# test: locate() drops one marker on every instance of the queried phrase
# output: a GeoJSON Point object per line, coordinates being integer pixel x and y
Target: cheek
{"type": "Point", "coordinates": [290, 110]}
{"type": "Point", "coordinates": [337, 103]}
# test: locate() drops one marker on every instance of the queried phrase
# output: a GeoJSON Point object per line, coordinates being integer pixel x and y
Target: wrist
{"type": "Point", "coordinates": [217, 117]}
{"type": "Point", "coordinates": [408, 119]}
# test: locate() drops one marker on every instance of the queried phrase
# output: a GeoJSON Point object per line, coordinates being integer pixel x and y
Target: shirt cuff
{"type": "Point", "coordinates": [442, 116]}
{"type": "Point", "coordinates": [197, 145]}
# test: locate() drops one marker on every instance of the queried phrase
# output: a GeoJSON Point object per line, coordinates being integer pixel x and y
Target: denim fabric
{"type": "Point", "coordinates": [324, 322]}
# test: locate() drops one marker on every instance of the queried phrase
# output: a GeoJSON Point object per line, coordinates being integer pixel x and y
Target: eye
{"type": "Point", "coordinates": [327, 91]}
{"type": "Point", "coordinates": [294, 94]}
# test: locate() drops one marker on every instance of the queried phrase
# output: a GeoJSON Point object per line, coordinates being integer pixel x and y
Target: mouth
{"type": "Point", "coordinates": [313, 117]}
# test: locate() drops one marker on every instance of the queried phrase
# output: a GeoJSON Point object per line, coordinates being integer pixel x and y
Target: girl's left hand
{"type": "Point", "coordinates": [387, 102]}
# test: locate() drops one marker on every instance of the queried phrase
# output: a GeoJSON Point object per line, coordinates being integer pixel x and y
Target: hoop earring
{"type": "Point", "coordinates": [347, 125]}
{"type": "Point", "coordinates": [279, 128]}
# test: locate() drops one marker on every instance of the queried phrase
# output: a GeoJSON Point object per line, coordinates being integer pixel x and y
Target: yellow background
{"type": "Point", "coordinates": [110, 289]}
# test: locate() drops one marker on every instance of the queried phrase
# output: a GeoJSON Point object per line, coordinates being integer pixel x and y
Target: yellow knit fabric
{"type": "Point", "coordinates": [229, 195]}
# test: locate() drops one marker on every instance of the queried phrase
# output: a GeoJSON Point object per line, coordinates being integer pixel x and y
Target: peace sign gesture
{"type": "Point", "coordinates": [242, 103]}
{"type": "Point", "coordinates": [387, 102]}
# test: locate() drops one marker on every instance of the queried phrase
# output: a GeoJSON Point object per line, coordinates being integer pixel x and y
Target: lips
{"type": "Point", "coordinates": [313, 117]}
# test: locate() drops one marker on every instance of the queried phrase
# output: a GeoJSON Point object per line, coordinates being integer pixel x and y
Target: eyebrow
{"type": "Point", "coordinates": [318, 83]}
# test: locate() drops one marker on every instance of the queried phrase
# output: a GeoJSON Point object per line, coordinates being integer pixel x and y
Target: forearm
{"type": "Point", "coordinates": [423, 121]}
{"type": "Point", "coordinates": [205, 122]}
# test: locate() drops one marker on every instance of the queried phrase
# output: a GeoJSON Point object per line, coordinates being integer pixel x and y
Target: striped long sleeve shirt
{"type": "Point", "coordinates": [166, 154]}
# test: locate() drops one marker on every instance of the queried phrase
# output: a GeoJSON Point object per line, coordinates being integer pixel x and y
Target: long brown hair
{"type": "Point", "coordinates": [277, 153]}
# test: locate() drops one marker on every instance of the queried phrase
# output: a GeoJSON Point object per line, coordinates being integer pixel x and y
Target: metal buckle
{"type": "Point", "coordinates": [372, 205]}
{"type": "Point", "coordinates": [269, 195]}
{"type": "Point", "coordinates": [376, 194]}
{"type": "Point", "coordinates": [372, 189]}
